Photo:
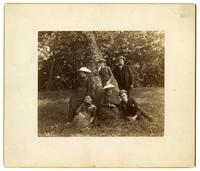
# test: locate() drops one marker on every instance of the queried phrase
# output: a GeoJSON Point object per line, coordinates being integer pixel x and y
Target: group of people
{"type": "Point", "coordinates": [110, 101]}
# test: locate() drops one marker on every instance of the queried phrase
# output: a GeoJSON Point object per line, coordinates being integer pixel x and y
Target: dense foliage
{"type": "Point", "coordinates": [61, 54]}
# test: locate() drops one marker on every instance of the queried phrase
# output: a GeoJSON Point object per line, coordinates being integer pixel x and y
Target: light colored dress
{"type": "Point", "coordinates": [83, 115]}
{"type": "Point", "coordinates": [106, 75]}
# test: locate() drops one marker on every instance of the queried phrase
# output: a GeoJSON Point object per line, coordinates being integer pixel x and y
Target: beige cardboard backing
{"type": "Point", "coordinates": [22, 146]}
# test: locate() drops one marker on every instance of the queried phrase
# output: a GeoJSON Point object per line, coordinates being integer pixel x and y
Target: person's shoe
{"type": "Point", "coordinates": [135, 117]}
{"type": "Point", "coordinates": [149, 118]}
{"type": "Point", "coordinates": [132, 118]}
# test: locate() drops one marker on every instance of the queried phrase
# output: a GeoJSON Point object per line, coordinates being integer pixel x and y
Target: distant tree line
{"type": "Point", "coordinates": [62, 53]}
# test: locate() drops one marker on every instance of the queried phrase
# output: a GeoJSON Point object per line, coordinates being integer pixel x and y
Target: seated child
{"type": "Point", "coordinates": [130, 109]}
{"type": "Point", "coordinates": [84, 114]}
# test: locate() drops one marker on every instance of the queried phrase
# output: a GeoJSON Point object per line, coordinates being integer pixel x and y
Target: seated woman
{"type": "Point", "coordinates": [108, 105]}
{"type": "Point", "coordinates": [85, 115]}
{"type": "Point", "coordinates": [130, 109]}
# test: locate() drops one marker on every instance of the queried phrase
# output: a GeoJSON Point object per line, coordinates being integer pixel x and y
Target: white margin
{"type": "Point", "coordinates": [2, 2]}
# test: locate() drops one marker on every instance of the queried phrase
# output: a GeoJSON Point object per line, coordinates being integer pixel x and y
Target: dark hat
{"type": "Point", "coordinates": [122, 91]}
{"type": "Point", "coordinates": [101, 60]}
{"type": "Point", "coordinates": [121, 57]}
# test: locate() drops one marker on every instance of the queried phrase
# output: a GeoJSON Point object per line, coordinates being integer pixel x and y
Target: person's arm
{"type": "Point", "coordinates": [115, 73]}
{"type": "Point", "coordinates": [120, 106]}
{"type": "Point", "coordinates": [110, 74]}
{"type": "Point", "coordinates": [105, 104]}
{"type": "Point", "coordinates": [102, 102]}
{"type": "Point", "coordinates": [109, 105]}
{"type": "Point", "coordinates": [89, 88]}
{"type": "Point", "coordinates": [80, 108]}
{"type": "Point", "coordinates": [94, 111]}
{"type": "Point", "coordinates": [93, 114]}
{"type": "Point", "coordinates": [76, 84]}
{"type": "Point", "coordinates": [121, 111]}
{"type": "Point", "coordinates": [133, 103]}
{"type": "Point", "coordinates": [131, 77]}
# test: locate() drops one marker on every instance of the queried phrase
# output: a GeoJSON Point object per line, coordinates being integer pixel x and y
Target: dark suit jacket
{"type": "Point", "coordinates": [127, 108]}
{"type": "Point", "coordinates": [123, 77]}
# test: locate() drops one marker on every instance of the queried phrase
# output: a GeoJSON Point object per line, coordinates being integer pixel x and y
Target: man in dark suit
{"type": "Point", "coordinates": [123, 75]}
{"type": "Point", "coordinates": [129, 108]}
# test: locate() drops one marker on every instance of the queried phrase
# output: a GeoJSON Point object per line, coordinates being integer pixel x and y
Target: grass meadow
{"type": "Point", "coordinates": [53, 108]}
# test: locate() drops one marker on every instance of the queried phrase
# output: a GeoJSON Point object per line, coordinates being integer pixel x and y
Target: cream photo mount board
{"type": "Point", "coordinates": [23, 147]}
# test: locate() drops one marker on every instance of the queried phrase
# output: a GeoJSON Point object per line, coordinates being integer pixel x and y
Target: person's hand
{"type": "Point", "coordinates": [132, 118]}
{"type": "Point", "coordinates": [82, 115]}
{"type": "Point", "coordinates": [108, 82]}
{"type": "Point", "coordinates": [112, 105]}
{"type": "Point", "coordinates": [91, 119]}
{"type": "Point", "coordinates": [135, 117]}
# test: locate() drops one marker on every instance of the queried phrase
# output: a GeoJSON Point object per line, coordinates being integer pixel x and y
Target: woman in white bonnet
{"type": "Point", "coordinates": [108, 105]}
{"type": "Point", "coordinates": [83, 88]}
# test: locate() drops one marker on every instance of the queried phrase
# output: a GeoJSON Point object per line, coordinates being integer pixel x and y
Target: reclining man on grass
{"type": "Point", "coordinates": [130, 109]}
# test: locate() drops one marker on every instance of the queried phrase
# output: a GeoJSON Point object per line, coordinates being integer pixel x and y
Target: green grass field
{"type": "Point", "coordinates": [53, 108]}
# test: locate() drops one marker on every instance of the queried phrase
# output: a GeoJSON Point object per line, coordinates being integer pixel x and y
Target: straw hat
{"type": "Point", "coordinates": [121, 57]}
{"type": "Point", "coordinates": [108, 86]}
{"type": "Point", "coordinates": [122, 91]}
{"type": "Point", "coordinates": [85, 69]}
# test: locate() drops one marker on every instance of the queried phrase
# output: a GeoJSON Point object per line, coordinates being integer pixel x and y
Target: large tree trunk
{"type": "Point", "coordinates": [96, 52]}
{"type": "Point", "coordinates": [95, 49]}
{"type": "Point", "coordinates": [96, 56]}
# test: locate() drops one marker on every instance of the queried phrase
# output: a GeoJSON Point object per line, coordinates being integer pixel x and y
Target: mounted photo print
{"type": "Point", "coordinates": [99, 85]}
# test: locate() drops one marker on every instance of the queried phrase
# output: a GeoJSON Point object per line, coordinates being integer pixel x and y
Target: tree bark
{"type": "Point", "coordinates": [95, 77]}
{"type": "Point", "coordinates": [96, 52]}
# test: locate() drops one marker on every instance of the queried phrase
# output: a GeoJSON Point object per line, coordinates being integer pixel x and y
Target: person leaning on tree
{"type": "Point", "coordinates": [106, 74]}
{"type": "Point", "coordinates": [123, 75]}
{"type": "Point", "coordinates": [83, 88]}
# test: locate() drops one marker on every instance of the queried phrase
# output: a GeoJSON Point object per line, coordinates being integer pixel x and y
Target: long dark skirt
{"type": "Point", "coordinates": [78, 124]}
{"type": "Point", "coordinates": [108, 113]}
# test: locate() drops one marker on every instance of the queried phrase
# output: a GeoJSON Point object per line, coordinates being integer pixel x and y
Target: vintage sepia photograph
{"type": "Point", "coordinates": [84, 89]}
{"type": "Point", "coordinates": [101, 83]}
